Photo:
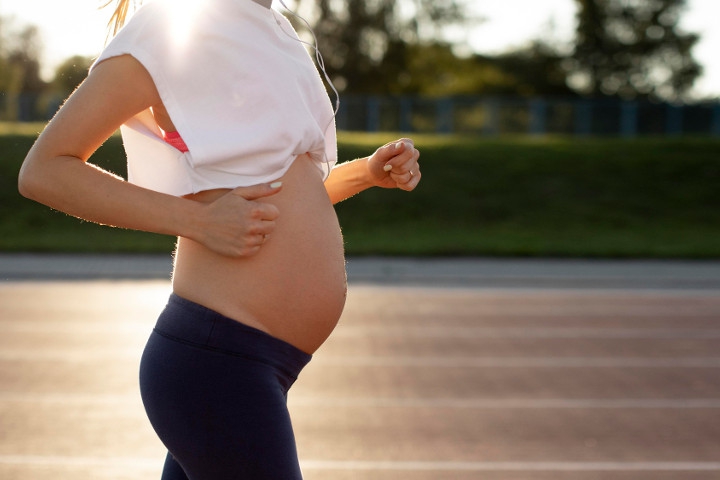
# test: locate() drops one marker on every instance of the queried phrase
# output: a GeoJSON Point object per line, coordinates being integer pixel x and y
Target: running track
{"type": "Point", "coordinates": [438, 370]}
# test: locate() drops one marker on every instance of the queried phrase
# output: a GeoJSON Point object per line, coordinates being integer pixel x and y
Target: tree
{"type": "Point", "coordinates": [25, 56]}
{"type": "Point", "coordinates": [537, 69]}
{"type": "Point", "coordinates": [435, 70]}
{"type": "Point", "coordinates": [21, 77]}
{"type": "Point", "coordinates": [633, 48]}
{"type": "Point", "coordinates": [366, 43]}
{"type": "Point", "coordinates": [71, 73]}
{"type": "Point", "coordinates": [5, 76]}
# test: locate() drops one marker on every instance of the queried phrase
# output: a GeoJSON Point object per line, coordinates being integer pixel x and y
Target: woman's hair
{"type": "Point", "coordinates": [120, 14]}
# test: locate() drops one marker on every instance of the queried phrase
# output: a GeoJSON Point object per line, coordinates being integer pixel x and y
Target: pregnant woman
{"type": "Point", "coordinates": [230, 139]}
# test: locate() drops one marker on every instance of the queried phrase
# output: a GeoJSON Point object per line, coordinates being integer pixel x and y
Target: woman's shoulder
{"type": "Point", "coordinates": [162, 26]}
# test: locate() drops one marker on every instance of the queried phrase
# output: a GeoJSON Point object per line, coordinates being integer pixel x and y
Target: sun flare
{"type": "Point", "coordinates": [183, 16]}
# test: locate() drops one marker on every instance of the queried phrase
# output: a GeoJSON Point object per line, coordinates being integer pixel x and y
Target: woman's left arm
{"type": "Point", "coordinates": [394, 165]}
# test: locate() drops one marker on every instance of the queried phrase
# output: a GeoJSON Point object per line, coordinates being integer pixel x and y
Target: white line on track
{"type": "Point", "coordinates": [505, 403]}
{"type": "Point", "coordinates": [517, 362]}
{"type": "Point", "coordinates": [71, 461]}
{"type": "Point", "coordinates": [390, 402]}
{"type": "Point", "coordinates": [134, 463]}
{"type": "Point", "coordinates": [78, 356]}
{"type": "Point", "coordinates": [510, 466]}
{"type": "Point", "coordinates": [532, 333]}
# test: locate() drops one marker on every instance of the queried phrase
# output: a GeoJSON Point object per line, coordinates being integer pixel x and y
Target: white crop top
{"type": "Point", "coordinates": [239, 87]}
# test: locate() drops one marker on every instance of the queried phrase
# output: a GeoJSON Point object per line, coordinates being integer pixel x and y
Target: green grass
{"type": "Point", "coordinates": [524, 196]}
{"type": "Point", "coordinates": [16, 128]}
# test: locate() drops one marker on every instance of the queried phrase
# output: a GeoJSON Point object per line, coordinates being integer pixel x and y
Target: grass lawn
{"type": "Point", "coordinates": [509, 196]}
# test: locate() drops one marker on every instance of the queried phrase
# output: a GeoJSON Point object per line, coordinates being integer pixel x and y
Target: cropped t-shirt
{"type": "Point", "coordinates": [240, 88]}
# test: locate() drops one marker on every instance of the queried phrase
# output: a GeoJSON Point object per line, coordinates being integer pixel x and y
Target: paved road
{"type": "Point", "coordinates": [522, 370]}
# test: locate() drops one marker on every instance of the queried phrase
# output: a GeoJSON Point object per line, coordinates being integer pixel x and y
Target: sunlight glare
{"type": "Point", "coordinates": [183, 15]}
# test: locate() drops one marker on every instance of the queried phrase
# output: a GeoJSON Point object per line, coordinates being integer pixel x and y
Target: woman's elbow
{"type": "Point", "coordinates": [29, 180]}
{"type": "Point", "coordinates": [25, 184]}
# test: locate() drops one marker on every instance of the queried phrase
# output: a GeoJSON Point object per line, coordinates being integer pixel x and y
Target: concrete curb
{"type": "Point", "coordinates": [443, 272]}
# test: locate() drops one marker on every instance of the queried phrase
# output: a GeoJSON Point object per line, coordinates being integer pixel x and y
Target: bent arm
{"type": "Point", "coordinates": [394, 165]}
{"type": "Point", "coordinates": [56, 172]}
{"type": "Point", "coordinates": [348, 179]}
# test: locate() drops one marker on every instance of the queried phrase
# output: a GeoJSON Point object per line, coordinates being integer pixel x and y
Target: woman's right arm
{"type": "Point", "coordinates": [56, 172]}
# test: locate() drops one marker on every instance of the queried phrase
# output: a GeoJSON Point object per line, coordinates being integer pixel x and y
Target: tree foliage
{"type": "Point", "coordinates": [632, 48]}
{"type": "Point", "coordinates": [368, 44]}
{"type": "Point", "coordinates": [20, 52]}
{"type": "Point", "coordinates": [435, 70]}
{"type": "Point", "coordinates": [625, 48]}
{"type": "Point", "coordinates": [20, 58]}
{"type": "Point", "coordinates": [71, 73]}
{"type": "Point", "coordinates": [535, 70]}
{"type": "Point", "coordinates": [24, 58]}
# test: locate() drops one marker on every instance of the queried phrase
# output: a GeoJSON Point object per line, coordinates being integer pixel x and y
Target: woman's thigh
{"type": "Point", "coordinates": [220, 415]}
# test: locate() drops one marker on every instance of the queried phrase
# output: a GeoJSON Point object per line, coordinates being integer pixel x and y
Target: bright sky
{"type": "Point", "coordinates": [71, 27]}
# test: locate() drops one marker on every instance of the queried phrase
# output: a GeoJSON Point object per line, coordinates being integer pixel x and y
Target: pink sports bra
{"type": "Point", "coordinates": [174, 139]}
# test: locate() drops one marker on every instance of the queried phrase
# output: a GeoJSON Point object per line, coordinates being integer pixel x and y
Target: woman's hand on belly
{"type": "Point", "coordinates": [237, 223]}
{"type": "Point", "coordinates": [294, 287]}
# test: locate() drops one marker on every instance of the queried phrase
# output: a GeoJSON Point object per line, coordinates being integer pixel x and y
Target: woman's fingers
{"type": "Point", "coordinates": [240, 222]}
{"type": "Point", "coordinates": [404, 168]}
{"type": "Point", "coordinates": [407, 181]}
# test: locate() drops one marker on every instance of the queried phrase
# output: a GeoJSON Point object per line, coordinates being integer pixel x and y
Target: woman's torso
{"type": "Point", "coordinates": [294, 288]}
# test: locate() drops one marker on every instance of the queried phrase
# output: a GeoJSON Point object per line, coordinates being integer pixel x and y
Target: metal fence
{"type": "Point", "coordinates": [476, 115]}
{"type": "Point", "coordinates": [538, 116]}
{"type": "Point", "coordinates": [28, 107]}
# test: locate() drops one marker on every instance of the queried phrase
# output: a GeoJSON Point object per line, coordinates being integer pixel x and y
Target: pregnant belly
{"type": "Point", "coordinates": [294, 288]}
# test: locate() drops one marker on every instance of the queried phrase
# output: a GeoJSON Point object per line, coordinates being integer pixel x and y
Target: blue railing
{"type": "Point", "coordinates": [537, 116]}
{"type": "Point", "coordinates": [477, 115]}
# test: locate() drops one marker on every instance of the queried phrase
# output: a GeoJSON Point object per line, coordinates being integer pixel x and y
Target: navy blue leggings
{"type": "Point", "coordinates": [215, 391]}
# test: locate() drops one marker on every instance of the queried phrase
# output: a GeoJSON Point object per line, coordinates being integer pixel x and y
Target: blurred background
{"type": "Point", "coordinates": [548, 128]}
{"type": "Point", "coordinates": [448, 66]}
{"type": "Point", "coordinates": [563, 130]}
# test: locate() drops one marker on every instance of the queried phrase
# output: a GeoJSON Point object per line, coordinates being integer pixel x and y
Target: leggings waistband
{"type": "Point", "coordinates": [194, 324]}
